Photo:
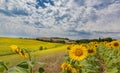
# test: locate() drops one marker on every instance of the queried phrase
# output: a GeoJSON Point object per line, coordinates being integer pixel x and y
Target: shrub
{"type": "Point", "coordinates": [42, 48]}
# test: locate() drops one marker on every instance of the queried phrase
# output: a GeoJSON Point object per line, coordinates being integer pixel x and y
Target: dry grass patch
{"type": "Point", "coordinates": [53, 62]}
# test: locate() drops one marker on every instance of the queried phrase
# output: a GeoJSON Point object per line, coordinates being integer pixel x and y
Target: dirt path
{"type": "Point", "coordinates": [53, 62]}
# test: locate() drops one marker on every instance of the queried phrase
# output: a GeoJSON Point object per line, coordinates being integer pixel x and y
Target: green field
{"type": "Point", "coordinates": [33, 46]}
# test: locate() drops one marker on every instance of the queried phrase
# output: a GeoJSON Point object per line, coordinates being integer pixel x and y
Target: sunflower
{"type": "Point", "coordinates": [19, 51]}
{"type": "Point", "coordinates": [109, 45]}
{"type": "Point", "coordinates": [115, 44]}
{"type": "Point", "coordinates": [93, 43]}
{"type": "Point", "coordinates": [15, 49]}
{"type": "Point", "coordinates": [70, 46]}
{"type": "Point", "coordinates": [92, 50]}
{"type": "Point", "coordinates": [96, 45]}
{"type": "Point", "coordinates": [78, 52]}
{"type": "Point", "coordinates": [66, 66]}
{"type": "Point", "coordinates": [104, 43]}
{"type": "Point", "coordinates": [23, 54]}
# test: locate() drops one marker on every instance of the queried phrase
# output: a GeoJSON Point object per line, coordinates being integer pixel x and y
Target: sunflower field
{"type": "Point", "coordinates": [93, 57]}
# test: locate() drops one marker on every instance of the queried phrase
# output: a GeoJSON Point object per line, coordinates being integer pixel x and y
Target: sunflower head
{"type": "Point", "coordinates": [70, 46]}
{"type": "Point", "coordinates": [92, 51]}
{"type": "Point", "coordinates": [23, 54]}
{"type": "Point", "coordinates": [20, 52]}
{"type": "Point", "coordinates": [104, 43]}
{"type": "Point", "coordinates": [93, 43]}
{"type": "Point", "coordinates": [96, 45]}
{"type": "Point", "coordinates": [66, 66]}
{"type": "Point", "coordinates": [109, 45]}
{"type": "Point", "coordinates": [15, 48]}
{"type": "Point", "coordinates": [115, 44]}
{"type": "Point", "coordinates": [78, 52]}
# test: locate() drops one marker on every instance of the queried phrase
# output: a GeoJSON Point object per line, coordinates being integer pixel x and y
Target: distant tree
{"type": "Point", "coordinates": [94, 40]}
{"type": "Point", "coordinates": [82, 41]}
{"type": "Point", "coordinates": [108, 39]}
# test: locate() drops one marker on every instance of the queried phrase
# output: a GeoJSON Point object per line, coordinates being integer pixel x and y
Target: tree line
{"type": "Point", "coordinates": [94, 40]}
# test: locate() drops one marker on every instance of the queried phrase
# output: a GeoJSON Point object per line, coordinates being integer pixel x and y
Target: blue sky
{"type": "Point", "coordinates": [74, 19]}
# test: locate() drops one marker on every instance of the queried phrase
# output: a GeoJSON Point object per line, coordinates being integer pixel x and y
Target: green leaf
{"type": "Point", "coordinates": [23, 65]}
{"type": "Point", "coordinates": [69, 71]}
{"type": "Point", "coordinates": [36, 72]}
{"type": "Point", "coordinates": [113, 70]}
{"type": "Point", "coordinates": [41, 64]}
{"type": "Point", "coordinates": [41, 70]}
{"type": "Point", "coordinates": [31, 63]}
{"type": "Point", "coordinates": [1, 62]}
{"type": "Point", "coordinates": [17, 70]}
{"type": "Point", "coordinates": [1, 69]}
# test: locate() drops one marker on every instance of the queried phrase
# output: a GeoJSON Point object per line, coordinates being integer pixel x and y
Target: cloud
{"type": "Point", "coordinates": [67, 18]}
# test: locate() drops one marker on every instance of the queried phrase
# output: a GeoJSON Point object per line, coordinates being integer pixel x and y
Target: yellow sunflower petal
{"type": "Point", "coordinates": [78, 52]}
{"type": "Point", "coordinates": [15, 48]}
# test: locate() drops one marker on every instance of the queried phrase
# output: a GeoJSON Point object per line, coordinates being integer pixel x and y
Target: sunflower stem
{"type": "Point", "coordinates": [29, 58]}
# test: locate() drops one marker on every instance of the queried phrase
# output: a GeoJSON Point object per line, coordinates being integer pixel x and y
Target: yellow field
{"type": "Point", "coordinates": [31, 45]}
{"type": "Point", "coordinates": [7, 55]}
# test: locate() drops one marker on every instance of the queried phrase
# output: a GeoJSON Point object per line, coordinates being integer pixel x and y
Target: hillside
{"type": "Point", "coordinates": [33, 46]}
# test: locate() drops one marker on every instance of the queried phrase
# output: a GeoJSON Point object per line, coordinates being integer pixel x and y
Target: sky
{"type": "Point", "coordinates": [73, 19]}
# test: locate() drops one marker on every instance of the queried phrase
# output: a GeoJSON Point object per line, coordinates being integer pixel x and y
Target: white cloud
{"type": "Point", "coordinates": [68, 18]}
